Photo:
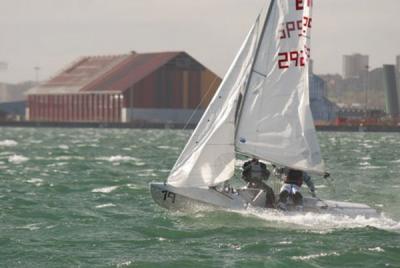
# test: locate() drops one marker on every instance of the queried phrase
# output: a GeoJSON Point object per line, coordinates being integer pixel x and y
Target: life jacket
{"type": "Point", "coordinates": [257, 171]}
{"type": "Point", "coordinates": [294, 177]}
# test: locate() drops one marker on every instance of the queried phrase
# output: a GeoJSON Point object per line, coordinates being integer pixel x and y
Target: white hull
{"type": "Point", "coordinates": [187, 199]}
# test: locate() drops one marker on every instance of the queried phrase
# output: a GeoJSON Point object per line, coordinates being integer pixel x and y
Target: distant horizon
{"type": "Point", "coordinates": [52, 35]}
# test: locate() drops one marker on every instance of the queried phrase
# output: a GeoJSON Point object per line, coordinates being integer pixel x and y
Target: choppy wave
{"type": "Point", "coordinates": [36, 181]}
{"type": "Point", "coordinates": [17, 159]}
{"type": "Point", "coordinates": [63, 147]}
{"type": "Point", "coordinates": [165, 147]}
{"type": "Point", "coordinates": [64, 158]}
{"type": "Point", "coordinates": [105, 190]}
{"type": "Point", "coordinates": [118, 158]}
{"type": "Point", "coordinates": [314, 256]}
{"type": "Point", "coordinates": [108, 205]}
{"type": "Point", "coordinates": [8, 143]}
{"type": "Point", "coordinates": [377, 249]}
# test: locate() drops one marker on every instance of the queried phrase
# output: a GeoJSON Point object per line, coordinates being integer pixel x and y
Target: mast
{"type": "Point", "coordinates": [243, 98]}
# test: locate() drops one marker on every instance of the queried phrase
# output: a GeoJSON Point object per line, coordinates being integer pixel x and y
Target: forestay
{"type": "Point", "coordinates": [209, 156]}
{"type": "Point", "coordinates": [275, 122]}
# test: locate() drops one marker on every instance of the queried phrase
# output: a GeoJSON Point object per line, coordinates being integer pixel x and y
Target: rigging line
{"type": "Point", "coordinates": [199, 105]}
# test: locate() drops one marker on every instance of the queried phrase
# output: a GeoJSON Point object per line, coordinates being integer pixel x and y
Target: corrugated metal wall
{"type": "Point", "coordinates": [76, 108]}
{"type": "Point", "coordinates": [173, 88]}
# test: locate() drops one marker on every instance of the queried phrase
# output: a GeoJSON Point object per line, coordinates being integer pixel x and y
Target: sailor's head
{"type": "Point", "coordinates": [254, 160]}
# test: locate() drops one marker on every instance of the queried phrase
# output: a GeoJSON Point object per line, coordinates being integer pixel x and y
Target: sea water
{"type": "Point", "coordinates": [80, 198]}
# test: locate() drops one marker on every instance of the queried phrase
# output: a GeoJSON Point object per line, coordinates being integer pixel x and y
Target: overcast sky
{"type": "Point", "coordinates": [52, 33]}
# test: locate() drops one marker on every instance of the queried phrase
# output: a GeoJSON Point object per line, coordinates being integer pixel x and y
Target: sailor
{"type": "Point", "coordinates": [255, 173]}
{"type": "Point", "coordinates": [293, 180]}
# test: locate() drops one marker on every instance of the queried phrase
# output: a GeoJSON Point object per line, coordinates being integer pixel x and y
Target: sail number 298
{"type": "Point", "coordinates": [288, 59]}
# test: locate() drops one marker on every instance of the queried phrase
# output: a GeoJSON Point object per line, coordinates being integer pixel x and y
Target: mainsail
{"type": "Point", "coordinates": [274, 121]}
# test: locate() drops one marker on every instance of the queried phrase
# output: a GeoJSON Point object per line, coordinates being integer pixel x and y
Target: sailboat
{"type": "Point", "coordinates": [261, 110]}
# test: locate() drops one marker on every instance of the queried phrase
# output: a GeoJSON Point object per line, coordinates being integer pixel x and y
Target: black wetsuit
{"type": "Point", "coordinates": [254, 173]}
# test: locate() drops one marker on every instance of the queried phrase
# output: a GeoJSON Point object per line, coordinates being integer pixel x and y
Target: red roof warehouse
{"type": "Point", "coordinates": [153, 87]}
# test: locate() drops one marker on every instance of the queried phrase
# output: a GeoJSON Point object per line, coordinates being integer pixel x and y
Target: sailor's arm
{"type": "Point", "coordinates": [310, 184]}
{"type": "Point", "coordinates": [277, 171]}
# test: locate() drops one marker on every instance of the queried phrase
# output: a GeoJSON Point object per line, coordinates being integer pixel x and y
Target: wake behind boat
{"type": "Point", "coordinates": [261, 110]}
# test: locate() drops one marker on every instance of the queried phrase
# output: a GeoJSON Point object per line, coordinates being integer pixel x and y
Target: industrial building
{"type": "Point", "coordinates": [167, 87]}
{"type": "Point", "coordinates": [322, 109]}
{"type": "Point", "coordinates": [13, 111]}
{"type": "Point", "coordinates": [355, 65]}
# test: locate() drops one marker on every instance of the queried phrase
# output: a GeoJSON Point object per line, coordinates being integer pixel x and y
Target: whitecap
{"type": "Point", "coordinates": [105, 190]}
{"type": "Point", "coordinates": [132, 186]}
{"type": "Point", "coordinates": [377, 249]}
{"type": "Point", "coordinates": [164, 147]}
{"type": "Point", "coordinates": [285, 243]}
{"type": "Point", "coordinates": [31, 227]}
{"type": "Point", "coordinates": [372, 167]}
{"type": "Point", "coordinates": [118, 158]}
{"type": "Point", "coordinates": [314, 256]}
{"type": "Point", "coordinates": [108, 205]}
{"type": "Point", "coordinates": [63, 158]}
{"type": "Point", "coordinates": [63, 146]}
{"type": "Point", "coordinates": [8, 143]}
{"type": "Point", "coordinates": [17, 159]}
{"type": "Point", "coordinates": [146, 173]}
{"type": "Point", "coordinates": [367, 146]}
{"type": "Point", "coordinates": [123, 264]}
{"type": "Point", "coordinates": [36, 181]}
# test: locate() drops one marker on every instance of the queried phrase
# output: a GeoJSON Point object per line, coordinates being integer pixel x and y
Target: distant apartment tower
{"type": "Point", "coordinates": [355, 65]}
{"type": "Point", "coordinates": [391, 91]}
{"type": "Point", "coordinates": [398, 63]}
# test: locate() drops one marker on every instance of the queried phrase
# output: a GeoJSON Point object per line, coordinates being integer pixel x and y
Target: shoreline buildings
{"type": "Point", "coordinates": [355, 65]}
{"type": "Point", "coordinates": [166, 87]}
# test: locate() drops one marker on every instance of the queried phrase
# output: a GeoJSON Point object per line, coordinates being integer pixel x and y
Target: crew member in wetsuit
{"type": "Point", "coordinates": [254, 172]}
{"type": "Point", "coordinates": [293, 180]}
